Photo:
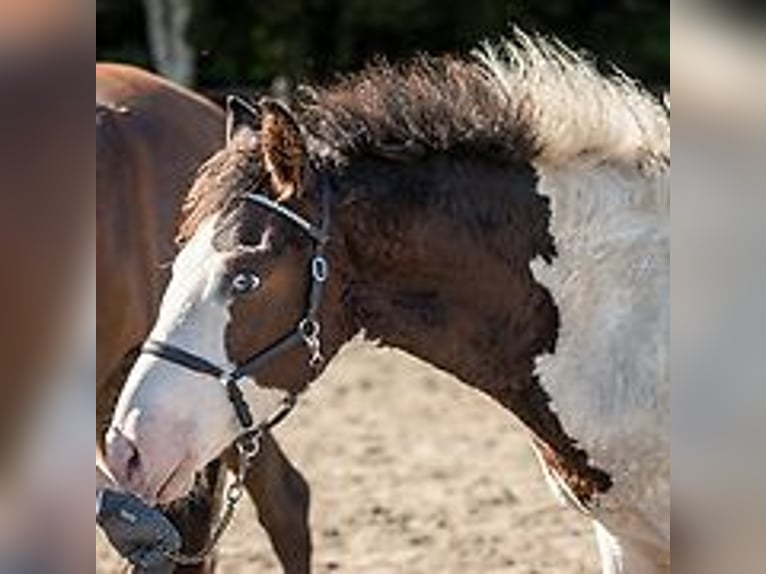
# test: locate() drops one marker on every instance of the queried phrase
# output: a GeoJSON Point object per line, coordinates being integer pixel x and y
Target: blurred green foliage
{"type": "Point", "coordinates": [249, 42]}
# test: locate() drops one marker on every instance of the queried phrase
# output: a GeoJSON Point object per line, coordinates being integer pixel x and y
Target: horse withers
{"type": "Point", "coordinates": [504, 218]}
{"type": "Point", "coordinates": [151, 136]}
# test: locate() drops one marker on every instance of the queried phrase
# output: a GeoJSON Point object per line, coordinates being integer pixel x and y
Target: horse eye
{"type": "Point", "coordinates": [244, 282]}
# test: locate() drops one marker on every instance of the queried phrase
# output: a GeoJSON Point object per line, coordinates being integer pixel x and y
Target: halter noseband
{"type": "Point", "coordinates": [306, 332]}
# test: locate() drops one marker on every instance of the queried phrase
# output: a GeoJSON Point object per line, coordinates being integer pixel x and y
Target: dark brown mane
{"type": "Point", "coordinates": [430, 105]}
{"type": "Point", "coordinates": [524, 101]}
{"type": "Point", "coordinates": [440, 105]}
{"type": "Point", "coordinates": [232, 169]}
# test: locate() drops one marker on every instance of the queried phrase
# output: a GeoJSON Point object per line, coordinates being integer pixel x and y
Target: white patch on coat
{"type": "Point", "coordinates": [603, 145]}
{"type": "Point", "coordinates": [609, 379]}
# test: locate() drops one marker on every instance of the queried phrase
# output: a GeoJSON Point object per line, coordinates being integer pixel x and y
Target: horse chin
{"type": "Point", "coordinates": [178, 484]}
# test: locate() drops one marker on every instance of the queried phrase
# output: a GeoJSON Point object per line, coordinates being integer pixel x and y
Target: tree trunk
{"type": "Point", "coordinates": [173, 55]}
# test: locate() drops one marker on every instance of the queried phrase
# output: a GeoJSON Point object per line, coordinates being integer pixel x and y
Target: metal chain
{"type": "Point", "coordinates": [234, 493]}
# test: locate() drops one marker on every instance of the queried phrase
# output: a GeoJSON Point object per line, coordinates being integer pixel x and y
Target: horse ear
{"type": "Point", "coordinates": [283, 147]}
{"type": "Point", "coordinates": [241, 116]}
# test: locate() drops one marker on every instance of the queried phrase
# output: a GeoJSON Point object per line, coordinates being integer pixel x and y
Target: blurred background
{"type": "Point", "coordinates": [221, 45]}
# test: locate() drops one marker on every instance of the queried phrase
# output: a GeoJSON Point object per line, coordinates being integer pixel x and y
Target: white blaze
{"type": "Point", "coordinates": [177, 417]}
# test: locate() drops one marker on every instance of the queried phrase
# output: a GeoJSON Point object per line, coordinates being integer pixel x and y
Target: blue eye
{"type": "Point", "coordinates": [244, 282]}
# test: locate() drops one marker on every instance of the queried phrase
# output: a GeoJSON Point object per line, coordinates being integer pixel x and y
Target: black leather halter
{"type": "Point", "coordinates": [306, 332]}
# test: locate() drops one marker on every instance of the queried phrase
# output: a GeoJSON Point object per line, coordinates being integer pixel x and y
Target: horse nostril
{"type": "Point", "coordinates": [124, 459]}
{"type": "Point", "coordinates": [133, 466]}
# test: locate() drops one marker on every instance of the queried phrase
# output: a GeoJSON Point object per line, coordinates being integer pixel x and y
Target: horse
{"type": "Point", "coordinates": [503, 217]}
{"type": "Point", "coordinates": [151, 136]}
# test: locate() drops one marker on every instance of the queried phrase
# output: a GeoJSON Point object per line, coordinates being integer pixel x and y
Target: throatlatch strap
{"type": "Point", "coordinates": [318, 235]}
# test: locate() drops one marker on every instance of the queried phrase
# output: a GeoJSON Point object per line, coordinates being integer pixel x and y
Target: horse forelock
{"type": "Point", "coordinates": [226, 174]}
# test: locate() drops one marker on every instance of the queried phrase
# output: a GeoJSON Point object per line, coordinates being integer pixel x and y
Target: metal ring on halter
{"type": "Point", "coordinates": [309, 329]}
{"type": "Point", "coordinates": [319, 269]}
{"type": "Point", "coordinates": [249, 444]}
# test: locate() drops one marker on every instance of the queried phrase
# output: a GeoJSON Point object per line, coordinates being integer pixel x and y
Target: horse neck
{"type": "Point", "coordinates": [439, 254]}
{"type": "Point", "coordinates": [437, 263]}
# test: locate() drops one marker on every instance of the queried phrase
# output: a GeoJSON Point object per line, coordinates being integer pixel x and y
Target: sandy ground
{"type": "Point", "coordinates": [412, 473]}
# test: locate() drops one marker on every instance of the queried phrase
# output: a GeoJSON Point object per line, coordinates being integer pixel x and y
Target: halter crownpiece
{"type": "Point", "coordinates": [317, 234]}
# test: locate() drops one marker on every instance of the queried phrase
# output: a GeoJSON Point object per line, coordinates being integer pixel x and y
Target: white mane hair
{"type": "Point", "coordinates": [574, 110]}
{"type": "Point", "coordinates": [603, 160]}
